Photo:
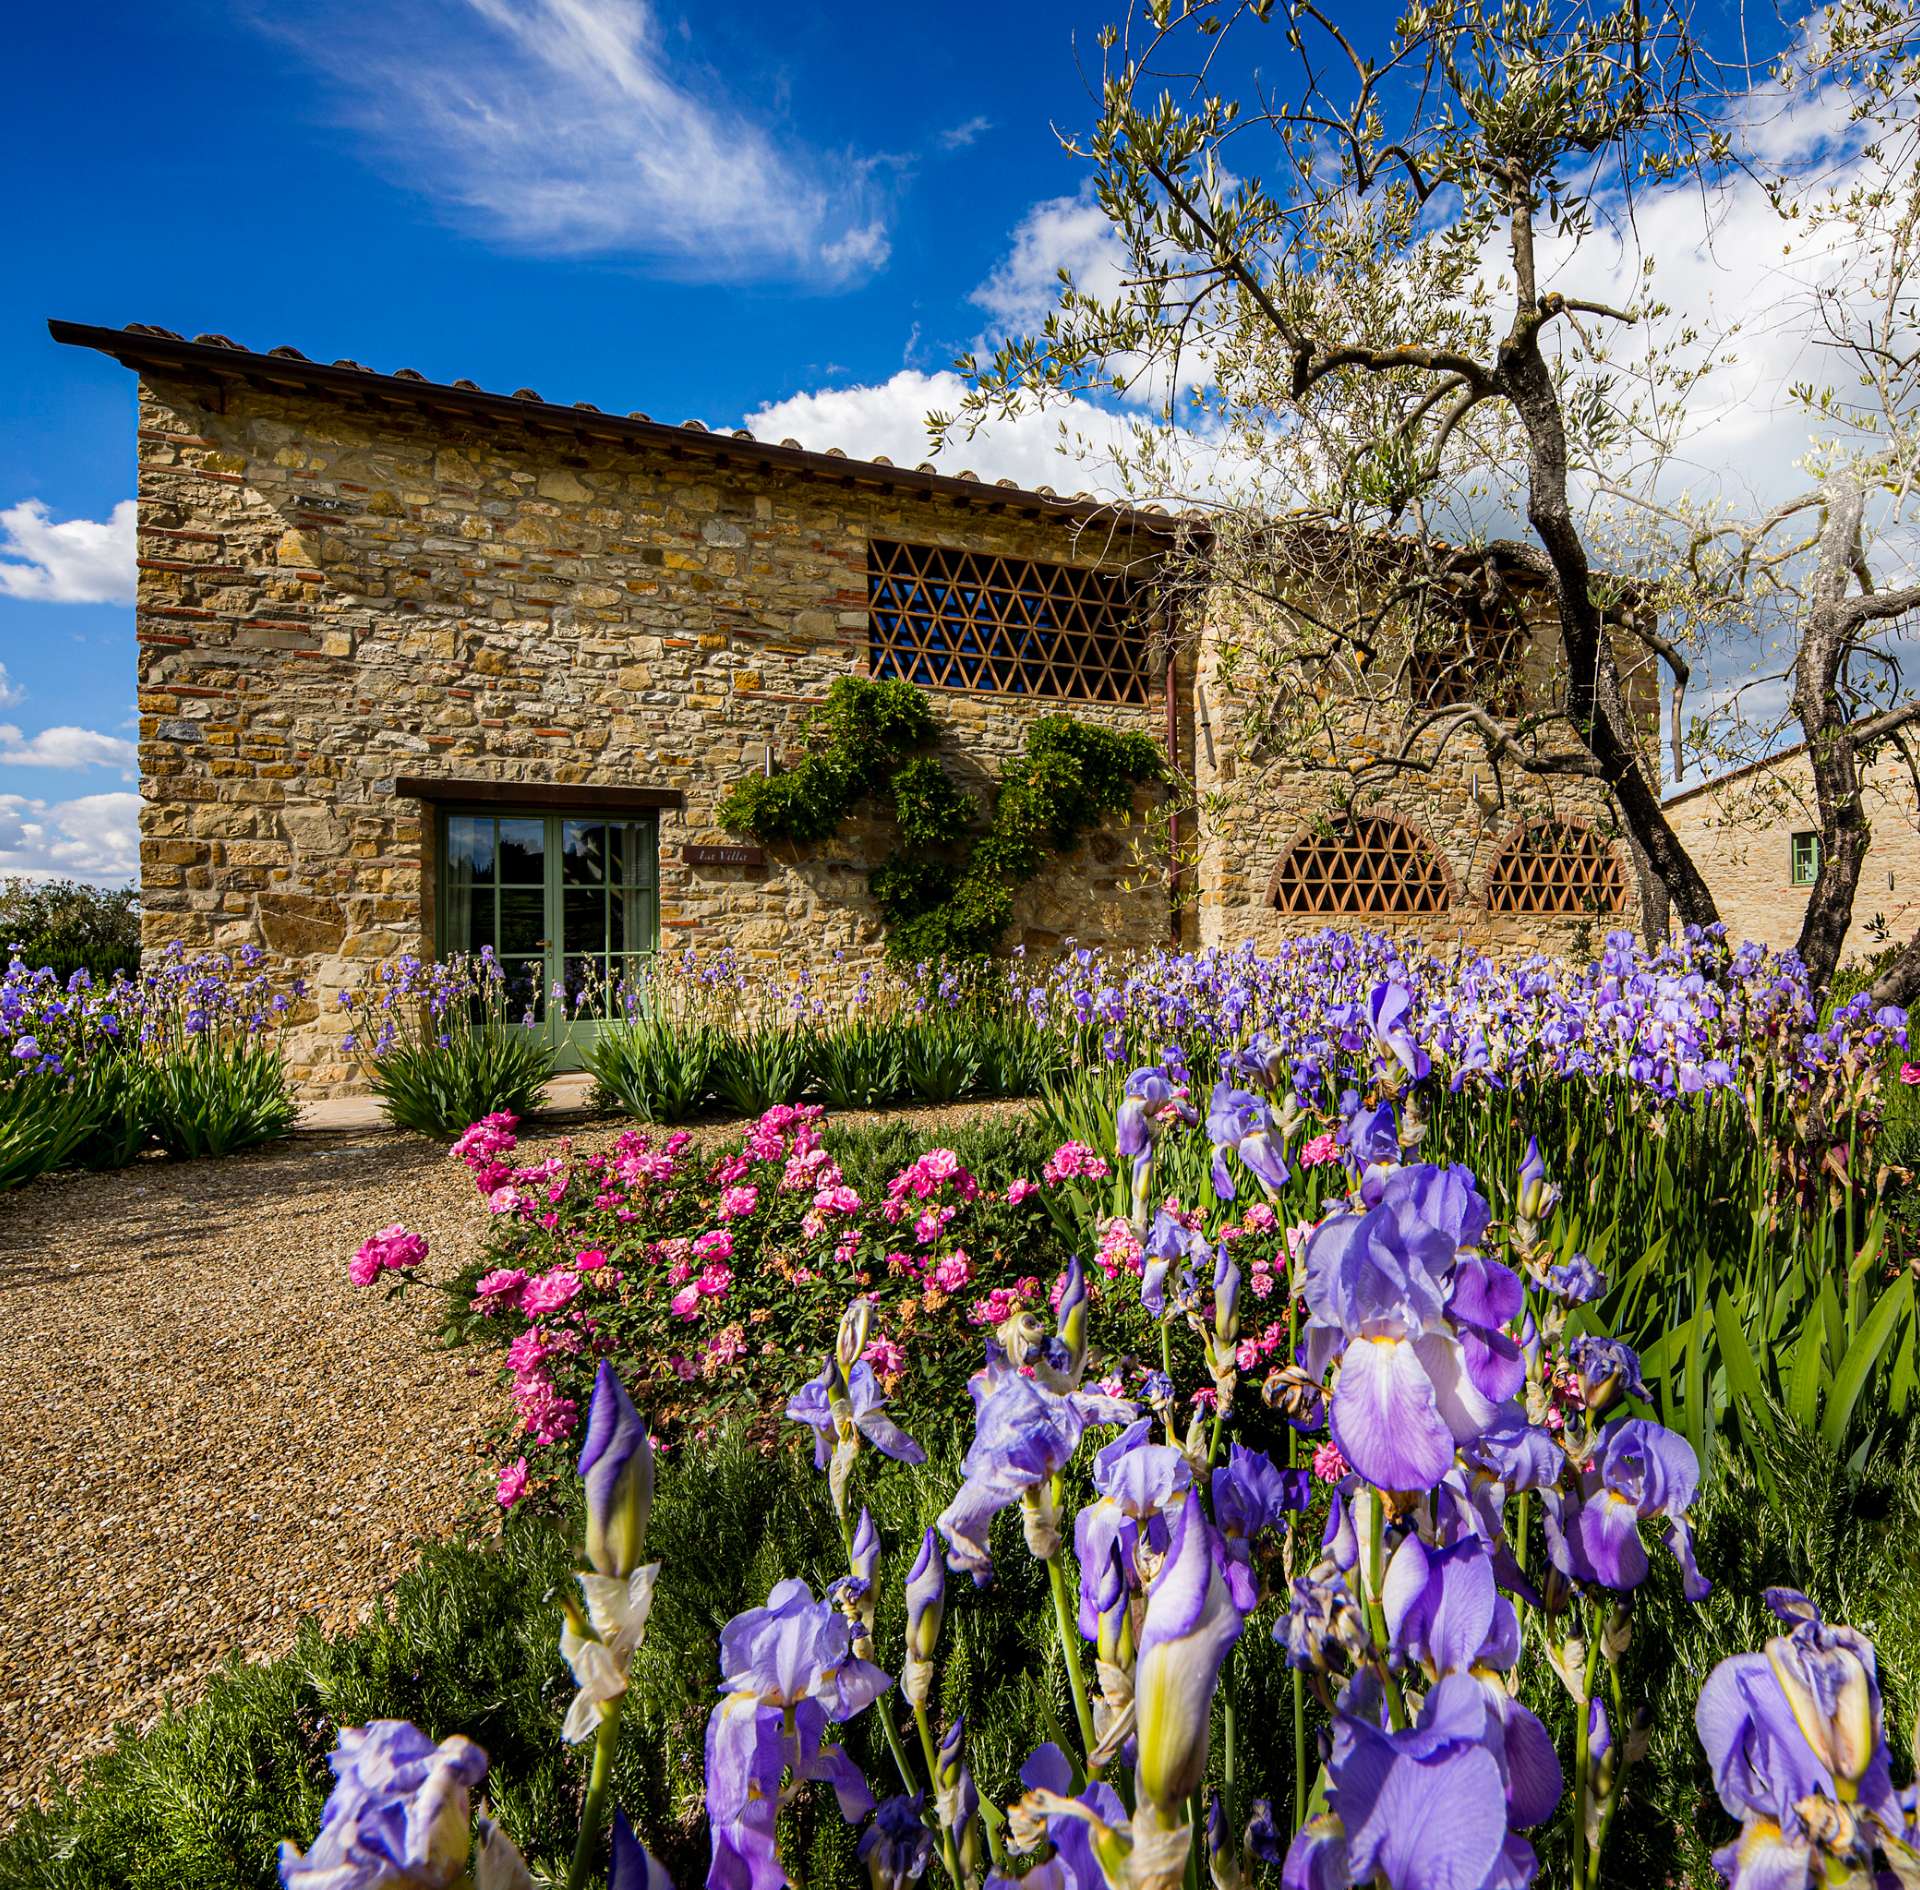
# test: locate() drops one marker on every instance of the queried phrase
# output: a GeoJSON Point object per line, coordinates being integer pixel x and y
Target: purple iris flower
{"type": "Point", "coordinates": [1138, 1481]}
{"type": "Point", "coordinates": [1510, 1455]}
{"type": "Point", "coordinates": [1431, 1808]}
{"type": "Point", "coordinates": [1372, 1135]}
{"type": "Point", "coordinates": [842, 1410]}
{"type": "Point", "coordinates": [786, 1670]}
{"type": "Point", "coordinates": [1138, 1123]}
{"type": "Point", "coordinates": [1379, 1290]}
{"type": "Point", "coordinates": [1793, 1735]}
{"type": "Point", "coordinates": [1389, 1014]}
{"type": "Point", "coordinates": [897, 1846]}
{"type": "Point", "coordinates": [1640, 1470]}
{"type": "Point", "coordinates": [616, 1465]}
{"type": "Point", "coordinates": [1578, 1281]}
{"type": "Point", "coordinates": [1168, 1240]}
{"type": "Point", "coordinates": [1607, 1370]}
{"type": "Point", "coordinates": [1251, 1494]}
{"type": "Point", "coordinates": [1073, 1825]}
{"type": "Point", "coordinates": [1240, 1121]}
{"type": "Point", "coordinates": [400, 1812]}
{"type": "Point", "coordinates": [1191, 1624]}
{"type": "Point", "coordinates": [634, 1866]}
{"type": "Point", "coordinates": [1024, 1435]}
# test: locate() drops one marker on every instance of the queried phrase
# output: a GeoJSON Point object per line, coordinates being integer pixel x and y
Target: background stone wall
{"type": "Point", "coordinates": [1257, 802]}
{"type": "Point", "coordinates": [1740, 833]}
{"type": "Point", "coordinates": [331, 598]}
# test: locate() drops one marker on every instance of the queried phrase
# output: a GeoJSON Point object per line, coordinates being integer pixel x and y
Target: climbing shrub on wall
{"type": "Point", "coordinates": [947, 892]}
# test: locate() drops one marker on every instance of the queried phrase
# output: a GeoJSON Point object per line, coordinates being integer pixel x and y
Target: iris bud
{"type": "Point", "coordinates": [852, 1340]}
{"type": "Point", "coordinates": [1226, 1300]}
{"type": "Point", "coordinates": [1537, 1195]}
{"type": "Point", "coordinates": [926, 1609]}
{"type": "Point", "coordinates": [616, 1465]}
{"type": "Point", "coordinates": [1071, 1319]}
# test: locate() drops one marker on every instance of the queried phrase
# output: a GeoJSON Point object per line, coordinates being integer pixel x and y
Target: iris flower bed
{"type": "Point", "coordinates": [1347, 1595]}
{"type": "Point", "coordinates": [184, 1056]}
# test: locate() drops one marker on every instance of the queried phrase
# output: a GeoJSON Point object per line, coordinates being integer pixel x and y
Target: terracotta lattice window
{"type": "Point", "coordinates": [1556, 867]}
{"type": "Point", "coordinates": [969, 620]}
{"type": "Point", "coordinates": [1371, 864]}
{"type": "Point", "coordinates": [1471, 661]}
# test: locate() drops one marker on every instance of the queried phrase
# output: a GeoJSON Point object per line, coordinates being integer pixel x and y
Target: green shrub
{"type": "Point", "coordinates": [449, 1042]}
{"type": "Point", "coordinates": [71, 927]}
{"type": "Point", "coordinates": [755, 1068]}
{"type": "Point", "coordinates": [656, 1067]}
{"type": "Point", "coordinates": [438, 1089]}
{"type": "Point", "coordinates": [860, 1062]}
{"type": "Point", "coordinates": [44, 1119]}
{"type": "Point", "coordinates": [217, 1097]}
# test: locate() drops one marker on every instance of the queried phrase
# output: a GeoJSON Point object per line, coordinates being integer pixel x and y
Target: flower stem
{"type": "Point", "coordinates": [1230, 1756]}
{"type": "Point", "coordinates": [1299, 1749]}
{"type": "Point", "coordinates": [949, 1851]}
{"type": "Point", "coordinates": [1582, 1766]}
{"type": "Point", "coordinates": [1069, 1631]}
{"type": "Point", "coordinates": [901, 1763]}
{"type": "Point", "coordinates": [592, 1811]}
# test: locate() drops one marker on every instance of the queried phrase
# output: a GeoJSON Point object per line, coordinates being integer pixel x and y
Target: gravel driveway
{"type": "Point", "coordinates": [206, 1432]}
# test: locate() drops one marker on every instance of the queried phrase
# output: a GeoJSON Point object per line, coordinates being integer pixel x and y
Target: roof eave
{"type": "Point", "coordinates": [144, 350]}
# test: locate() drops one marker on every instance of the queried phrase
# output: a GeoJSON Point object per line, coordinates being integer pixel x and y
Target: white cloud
{"type": "Point", "coordinates": [1070, 233]}
{"type": "Point", "coordinates": [958, 137]}
{"type": "Point", "coordinates": [66, 747]}
{"type": "Point", "coordinates": [560, 127]}
{"type": "Point", "coordinates": [11, 694]}
{"type": "Point", "coordinates": [889, 419]}
{"type": "Point", "coordinates": [77, 561]}
{"type": "Point", "coordinates": [96, 837]}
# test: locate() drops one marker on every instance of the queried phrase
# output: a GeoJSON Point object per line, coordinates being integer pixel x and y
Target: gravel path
{"type": "Point", "coordinates": [208, 1432]}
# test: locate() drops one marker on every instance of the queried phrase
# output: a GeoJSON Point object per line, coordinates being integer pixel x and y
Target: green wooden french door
{"type": "Point", "coordinates": [563, 899]}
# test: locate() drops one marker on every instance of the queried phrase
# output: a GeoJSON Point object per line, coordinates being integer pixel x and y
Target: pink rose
{"type": "Point", "coordinates": [686, 1302]}
{"type": "Point", "coordinates": [1910, 1072]}
{"type": "Point", "coordinates": [548, 1293]}
{"type": "Point", "coordinates": [499, 1288]}
{"type": "Point", "coordinates": [952, 1273]}
{"type": "Point", "coordinates": [513, 1483]}
{"type": "Point", "coordinates": [1020, 1190]}
{"type": "Point", "coordinates": [591, 1261]}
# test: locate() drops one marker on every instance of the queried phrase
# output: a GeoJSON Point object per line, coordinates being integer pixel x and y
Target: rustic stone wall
{"type": "Point", "coordinates": [335, 597]}
{"type": "Point", "coordinates": [1740, 834]}
{"type": "Point", "coordinates": [1257, 798]}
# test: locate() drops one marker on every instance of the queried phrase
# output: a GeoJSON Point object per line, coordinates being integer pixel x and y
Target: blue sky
{"type": "Point", "coordinates": [788, 217]}
{"type": "Point", "coordinates": [694, 213]}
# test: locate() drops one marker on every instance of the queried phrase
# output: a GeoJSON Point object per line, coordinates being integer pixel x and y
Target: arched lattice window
{"type": "Point", "coordinates": [1471, 660]}
{"type": "Point", "coordinates": [1556, 867]}
{"type": "Point", "coordinates": [1369, 864]}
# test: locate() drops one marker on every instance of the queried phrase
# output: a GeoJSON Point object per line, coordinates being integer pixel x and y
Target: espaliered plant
{"type": "Point", "coordinates": [947, 890]}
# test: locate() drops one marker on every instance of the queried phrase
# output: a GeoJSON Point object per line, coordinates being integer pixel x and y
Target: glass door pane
{"type": "Point", "coordinates": [559, 899]}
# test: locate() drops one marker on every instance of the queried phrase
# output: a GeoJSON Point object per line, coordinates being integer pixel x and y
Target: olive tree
{"type": "Point", "coordinates": [1368, 309]}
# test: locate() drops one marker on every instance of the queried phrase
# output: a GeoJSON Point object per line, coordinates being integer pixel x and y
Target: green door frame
{"type": "Point", "coordinates": [637, 889]}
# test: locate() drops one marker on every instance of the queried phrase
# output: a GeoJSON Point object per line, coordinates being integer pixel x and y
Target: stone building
{"type": "Point", "coordinates": [1755, 835]}
{"type": "Point", "coordinates": [424, 667]}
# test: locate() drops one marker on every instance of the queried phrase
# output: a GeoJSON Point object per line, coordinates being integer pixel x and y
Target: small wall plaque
{"type": "Point", "coordinates": [725, 856]}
